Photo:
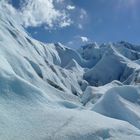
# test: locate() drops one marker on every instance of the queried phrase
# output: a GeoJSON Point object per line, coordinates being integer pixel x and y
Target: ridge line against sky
{"type": "Point", "coordinates": [75, 23]}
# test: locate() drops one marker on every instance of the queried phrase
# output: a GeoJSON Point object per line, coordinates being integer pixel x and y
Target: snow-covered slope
{"type": "Point", "coordinates": [125, 100]}
{"type": "Point", "coordinates": [112, 66]}
{"type": "Point", "coordinates": [46, 90]}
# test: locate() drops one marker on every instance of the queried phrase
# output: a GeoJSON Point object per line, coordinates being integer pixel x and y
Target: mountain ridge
{"type": "Point", "coordinates": [44, 94]}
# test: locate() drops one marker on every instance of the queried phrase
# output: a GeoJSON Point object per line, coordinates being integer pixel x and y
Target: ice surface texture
{"type": "Point", "coordinates": [52, 92]}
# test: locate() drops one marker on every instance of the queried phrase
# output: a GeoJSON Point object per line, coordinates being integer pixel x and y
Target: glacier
{"type": "Point", "coordinates": [52, 92]}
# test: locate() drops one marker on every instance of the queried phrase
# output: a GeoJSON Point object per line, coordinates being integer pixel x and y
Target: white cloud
{"type": "Point", "coordinates": [70, 7]}
{"type": "Point", "coordinates": [49, 13]}
{"type": "Point", "coordinates": [83, 14]}
{"type": "Point", "coordinates": [80, 18]}
{"type": "Point", "coordinates": [52, 13]}
{"type": "Point", "coordinates": [84, 39]}
{"type": "Point", "coordinates": [59, 1]}
{"type": "Point", "coordinates": [68, 22]}
{"type": "Point", "coordinates": [80, 26]}
{"type": "Point", "coordinates": [37, 12]}
{"type": "Point", "coordinates": [78, 41]}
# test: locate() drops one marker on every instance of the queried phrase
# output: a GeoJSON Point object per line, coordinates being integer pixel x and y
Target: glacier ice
{"type": "Point", "coordinates": [52, 92]}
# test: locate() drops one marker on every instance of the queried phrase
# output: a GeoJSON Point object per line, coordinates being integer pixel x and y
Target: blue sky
{"type": "Point", "coordinates": [89, 21]}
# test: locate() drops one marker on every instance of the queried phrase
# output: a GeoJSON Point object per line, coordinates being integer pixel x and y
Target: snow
{"type": "Point", "coordinates": [125, 100]}
{"type": "Point", "coordinates": [47, 92]}
{"type": "Point", "coordinates": [92, 94]}
{"type": "Point", "coordinates": [112, 66]}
